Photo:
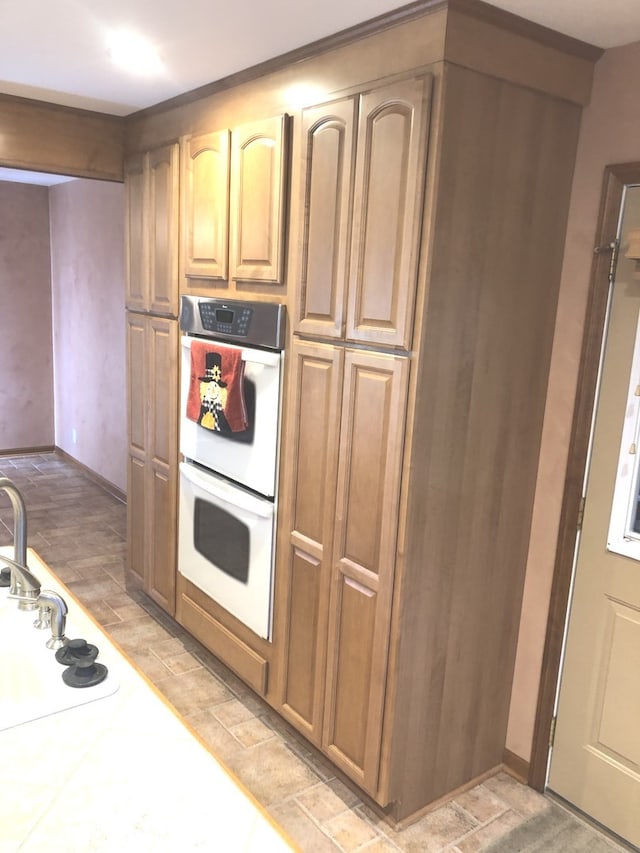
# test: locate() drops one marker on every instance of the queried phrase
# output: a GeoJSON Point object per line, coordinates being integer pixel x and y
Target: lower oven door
{"type": "Point", "coordinates": [225, 545]}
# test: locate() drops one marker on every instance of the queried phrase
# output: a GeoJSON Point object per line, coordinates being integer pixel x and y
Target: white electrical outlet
{"type": "Point", "coordinates": [74, 435]}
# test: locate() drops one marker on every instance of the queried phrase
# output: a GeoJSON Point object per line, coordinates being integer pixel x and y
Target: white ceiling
{"type": "Point", "coordinates": [55, 50]}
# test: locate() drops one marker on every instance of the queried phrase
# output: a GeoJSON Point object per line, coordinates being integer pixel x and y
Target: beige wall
{"type": "Point", "coordinates": [87, 279]}
{"type": "Point", "coordinates": [610, 134]}
{"type": "Point", "coordinates": [26, 364]}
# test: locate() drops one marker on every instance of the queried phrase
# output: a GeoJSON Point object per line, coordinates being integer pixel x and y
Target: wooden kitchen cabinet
{"type": "Point", "coordinates": [348, 411]}
{"type": "Point", "coordinates": [204, 190]}
{"type": "Point", "coordinates": [152, 350]}
{"type": "Point", "coordinates": [259, 156]}
{"type": "Point", "coordinates": [360, 243]}
{"type": "Point", "coordinates": [152, 203]}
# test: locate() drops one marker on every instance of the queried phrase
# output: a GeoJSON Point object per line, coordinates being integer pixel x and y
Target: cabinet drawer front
{"type": "Point", "coordinates": [257, 217]}
{"type": "Point", "coordinates": [327, 156]}
{"type": "Point", "coordinates": [205, 205]}
{"type": "Point", "coordinates": [387, 216]}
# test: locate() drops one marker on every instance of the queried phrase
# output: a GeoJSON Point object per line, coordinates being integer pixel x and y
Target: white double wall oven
{"type": "Point", "coordinates": [228, 479]}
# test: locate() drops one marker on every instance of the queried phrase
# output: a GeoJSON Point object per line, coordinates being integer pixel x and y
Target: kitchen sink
{"type": "Point", "coordinates": [31, 684]}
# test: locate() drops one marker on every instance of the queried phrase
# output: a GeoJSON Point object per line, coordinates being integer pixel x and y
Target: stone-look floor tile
{"type": "Point", "coordinates": [272, 772]}
{"type": "Point", "coordinates": [481, 804]}
{"type": "Point", "coordinates": [180, 663]}
{"type": "Point", "coordinates": [252, 732]}
{"type": "Point", "coordinates": [149, 665]}
{"type": "Point", "coordinates": [350, 830]}
{"type": "Point", "coordinates": [232, 712]}
{"type": "Point", "coordinates": [194, 691]}
{"type": "Point", "coordinates": [218, 739]}
{"type": "Point", "coordinates": [432, 833]}
{"type": "Point", "coordinates": [322, 803]}
{"type": "Point", "coordinates": [485, 835]}
{"type": "Point", "coordinates": [302, 829]}
{"type": "Point", "coordinates": [523, 800]}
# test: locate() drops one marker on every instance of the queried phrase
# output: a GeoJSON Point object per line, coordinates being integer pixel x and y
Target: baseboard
{"type": "Point", "coordinates": [109, 487]}
{"type": "Point", "coordinates": [516, 766]}
{"type": "Point", "coordinates": [26, 451]}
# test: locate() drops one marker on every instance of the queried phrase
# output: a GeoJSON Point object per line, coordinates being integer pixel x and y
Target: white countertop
{"type": "Point", "coordinates": [118, 773]}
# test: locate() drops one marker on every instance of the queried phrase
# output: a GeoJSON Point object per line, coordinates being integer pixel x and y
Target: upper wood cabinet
{"type": "Point", "coordinates": [363, 220]}
{"type": "Point", "coordinates": [258, 200]}
{"type": "Point", "coordinates": [204, 188]}
{"type": "Point", "coordinates": [151, 185]}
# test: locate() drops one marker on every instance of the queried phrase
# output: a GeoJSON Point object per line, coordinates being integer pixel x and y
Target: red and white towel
{"type": "Point", "coordinates": [216, 388]}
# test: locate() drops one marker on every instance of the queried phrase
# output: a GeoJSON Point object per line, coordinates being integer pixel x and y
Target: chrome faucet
{"type": "Point", "coordinates": [23, 583]}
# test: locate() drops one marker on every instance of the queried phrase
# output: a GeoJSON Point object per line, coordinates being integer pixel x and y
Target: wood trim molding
{"type": "Point", "coordinates": [615, 178]}
{"type": "Point", "coordinates": [516, 766]}
{"type": "Point", "coordinates": [523, 27]}
{"type": "Point", "coordinates": [26, 451]}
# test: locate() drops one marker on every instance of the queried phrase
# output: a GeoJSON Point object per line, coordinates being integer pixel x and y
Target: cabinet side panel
{"type": "Point", "coordinates": [507, 157]}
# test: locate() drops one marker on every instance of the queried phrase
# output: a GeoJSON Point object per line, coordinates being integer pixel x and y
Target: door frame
{"type": "Point", "coordinates": [616, 177]}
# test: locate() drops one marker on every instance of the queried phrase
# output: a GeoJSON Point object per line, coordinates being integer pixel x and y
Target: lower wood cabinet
{"type": "Point", "coordinates": [345, 439]}
{"type": "Point", "coordinates": [152, 349]}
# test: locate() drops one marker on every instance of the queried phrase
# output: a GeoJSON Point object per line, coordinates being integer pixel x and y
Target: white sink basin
{"type": "Point", "coordinates": [31, 684]}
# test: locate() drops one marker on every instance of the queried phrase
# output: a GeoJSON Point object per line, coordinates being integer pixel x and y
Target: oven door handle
{"type": "Point", "coordinates": [223, 491]}
{"type": "Point", "coordinates": [253, 356]}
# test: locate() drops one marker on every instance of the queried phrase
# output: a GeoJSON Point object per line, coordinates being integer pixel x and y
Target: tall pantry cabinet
{"type": "Point", "coordinates": [151, 191]}
{"type": "Point", "coordinates": [364, 160]}
{"type": "Point", "coordinates": [423, 318]}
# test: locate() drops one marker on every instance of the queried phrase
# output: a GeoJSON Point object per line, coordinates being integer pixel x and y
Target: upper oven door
{"type": "Point", "coordinates": [249, 457]}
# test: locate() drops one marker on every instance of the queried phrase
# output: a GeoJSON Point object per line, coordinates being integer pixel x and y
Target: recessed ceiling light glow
{"type": "Point", "coordinates": [134, 53]}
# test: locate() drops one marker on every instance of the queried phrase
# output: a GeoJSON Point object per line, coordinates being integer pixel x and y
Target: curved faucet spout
{"type": "Point", "coordinates": [19, 528]}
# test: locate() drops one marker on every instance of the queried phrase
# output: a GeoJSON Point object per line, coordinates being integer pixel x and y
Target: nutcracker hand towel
{"type": "Point", "coordinates": [216, 388]}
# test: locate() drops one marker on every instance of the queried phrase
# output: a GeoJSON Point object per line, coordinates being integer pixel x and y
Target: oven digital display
{"type": "Point", "coordinates": [223, 315]}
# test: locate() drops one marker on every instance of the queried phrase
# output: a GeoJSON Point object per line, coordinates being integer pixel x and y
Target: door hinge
{"type": "Point", "coordinates": [613, 248]}
{"type": "Point", "coordinates": [552, 732]}
{"type": "Point", "coordinates": [581, 513]}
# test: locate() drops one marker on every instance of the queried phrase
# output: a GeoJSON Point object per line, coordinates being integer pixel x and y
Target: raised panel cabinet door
{"type": "Point", "coordinates": [312, 441]}
{"type": "Point", "coordinates": [137, 383]}
{"type": "Point", "coordinates": [368, 495]}
{"type": "Point", "coordinates": [205, 205]}
{"type": "Point", "coordinates": [162, 541]}
{"type": "Point", "coordinates": [162, 348]}
{"type": "Point", "coordinates": [136, 243]}
{"type": "Point", "coordinates": [259, 153]}
{"type": "Point", "coordinates": [327, 170]}
{"type": "Point", "coordinates": [136, 517]}
{"type": "Point", "coordinates": [387, 212]}
{"type": "Point", "coordinates": [162, 219]}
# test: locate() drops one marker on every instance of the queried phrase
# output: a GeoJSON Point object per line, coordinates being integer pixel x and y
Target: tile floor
{"type": "Point", "coordinates": [79, 531]}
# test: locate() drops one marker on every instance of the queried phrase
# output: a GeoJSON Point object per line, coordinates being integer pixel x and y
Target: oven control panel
{"type": "Point", "coordinates": [260, 324]}
{"type": "Point", "coordinates": [228, 321]}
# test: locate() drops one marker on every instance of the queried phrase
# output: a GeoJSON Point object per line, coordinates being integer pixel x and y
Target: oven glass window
{"type": "Point", "coordinates": [222, 539]}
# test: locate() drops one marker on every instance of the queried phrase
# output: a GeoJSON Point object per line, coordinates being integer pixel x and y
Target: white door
{"type": "Point", "coordinates": [595, 761]}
